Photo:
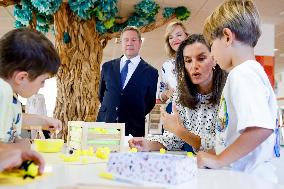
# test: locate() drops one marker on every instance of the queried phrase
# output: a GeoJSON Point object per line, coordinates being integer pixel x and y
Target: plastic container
{"type": "Point", "coordinates": [48, 145]}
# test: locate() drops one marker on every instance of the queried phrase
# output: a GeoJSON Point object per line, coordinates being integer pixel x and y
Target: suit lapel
{"type": "Point", "coordinates": [116, 70]}
{"type": "Point", "coordinates": [138, 71]}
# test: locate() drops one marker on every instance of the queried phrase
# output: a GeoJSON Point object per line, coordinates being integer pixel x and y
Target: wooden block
{"type": "Point", "coordinates": [81, 133]}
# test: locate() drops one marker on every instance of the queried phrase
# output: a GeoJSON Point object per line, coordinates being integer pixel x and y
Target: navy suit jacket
{"type": "Point", "coordinates": [131, 104]}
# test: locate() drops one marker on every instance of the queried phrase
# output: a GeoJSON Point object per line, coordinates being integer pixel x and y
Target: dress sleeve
{"type": "Point", "coordinates": [206, 134]}
{"type": "Point", "coordinates": [208, 140]}
{"type": "Point", "coordinates": [169, 140]}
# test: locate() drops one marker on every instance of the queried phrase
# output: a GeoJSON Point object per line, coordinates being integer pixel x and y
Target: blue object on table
{"type": "Point", "coordinates": [169, 108]}
{"type": "Point", "coordinates": [188, 148]}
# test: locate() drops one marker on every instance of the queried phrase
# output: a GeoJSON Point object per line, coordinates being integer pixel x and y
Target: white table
{"type": "Point", "coordinates": [65, 174]}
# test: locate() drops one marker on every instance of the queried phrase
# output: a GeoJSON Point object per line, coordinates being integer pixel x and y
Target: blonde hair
{"type": "Point", "coordinates": [240, 16]}
{"type": "Point", "coordinates": [170, 28]}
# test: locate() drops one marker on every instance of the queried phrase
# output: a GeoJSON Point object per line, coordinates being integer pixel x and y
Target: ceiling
{"type": "Point", "coordinates": [272, 12]}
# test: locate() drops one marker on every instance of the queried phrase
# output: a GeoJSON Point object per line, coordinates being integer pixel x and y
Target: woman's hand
{"type": "Point", "coordinates": [144, 145]}
{"type": "Point", "coordinates": [167, 94]}
{"type": "Point", "coordinates": [140, 143]}
{"type": "Point", "coordinates": [171, 122]}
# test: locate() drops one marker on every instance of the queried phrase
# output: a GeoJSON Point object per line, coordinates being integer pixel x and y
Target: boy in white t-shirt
{"type": "Point", "coordinates": [246, 133]}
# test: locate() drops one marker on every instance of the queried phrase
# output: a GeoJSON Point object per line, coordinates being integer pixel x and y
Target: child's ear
{"type": "Point", "coordinates": [21, 77]}
{"type": "Point", "coordinates": [228, 35]}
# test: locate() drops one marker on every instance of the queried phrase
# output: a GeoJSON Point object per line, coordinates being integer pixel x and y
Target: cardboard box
{"type": "Point", "coordinates": [153, 167]}
{"type": "Point", "coordinates": [83, 135]}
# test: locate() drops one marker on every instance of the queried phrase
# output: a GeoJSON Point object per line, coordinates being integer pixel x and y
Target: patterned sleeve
{"type": "Point", "coordinates": [169, 140]}
{"type": "Point", "coordinates": [200, 121]}
{"type": "Point", "coordinates": [208, 141]}
{"type": "Point", "coordinates": [206, 135]}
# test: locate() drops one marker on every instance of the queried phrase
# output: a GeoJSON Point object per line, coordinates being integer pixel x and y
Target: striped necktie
{"type": "Point", "coordinates": [123, 73]}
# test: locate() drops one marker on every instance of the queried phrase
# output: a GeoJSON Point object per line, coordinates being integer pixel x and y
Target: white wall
{"type": "Point", "coordinates": [50, 92]}
{"type": "Point", "coordinates": [266, 43]}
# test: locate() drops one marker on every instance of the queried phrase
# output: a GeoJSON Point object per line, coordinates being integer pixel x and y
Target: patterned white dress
{"type": "Point", "coordinates": [200, 121]}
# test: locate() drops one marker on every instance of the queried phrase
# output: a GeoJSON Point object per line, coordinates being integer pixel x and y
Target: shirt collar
{"type": "Point", "coordinates": [135, 60]}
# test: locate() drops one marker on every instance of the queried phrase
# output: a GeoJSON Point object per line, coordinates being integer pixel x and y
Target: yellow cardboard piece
{"type": "Point", "coordinates": [162, 151]}
{"type": "Point", "coordinates": [15, 178]}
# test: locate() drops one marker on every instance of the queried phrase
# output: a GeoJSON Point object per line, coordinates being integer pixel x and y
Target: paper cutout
{"type": "Point", "coordinates": [15, 178]}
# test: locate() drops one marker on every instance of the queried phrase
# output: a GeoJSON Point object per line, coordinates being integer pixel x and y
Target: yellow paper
{"type": "Point", "coordinates": [16, 179]}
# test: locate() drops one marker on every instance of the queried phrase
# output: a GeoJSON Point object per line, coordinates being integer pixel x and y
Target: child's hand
{"type": "Point", "coordinates": [206, 160]}
{"type": "Point", "coordinates": [140, 143]}
{"type": "Point", "coordinates": [52, 124]}
{"type": "Point", "coordinates": [10, 159]}
{"type": "Point", "coordinates": [171, 122]}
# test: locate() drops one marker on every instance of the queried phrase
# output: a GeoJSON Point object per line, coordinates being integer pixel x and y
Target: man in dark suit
{"type": "Point", "coordinates": [128, 86]}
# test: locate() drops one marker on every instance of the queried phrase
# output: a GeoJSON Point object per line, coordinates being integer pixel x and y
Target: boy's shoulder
{"type": "Point", "coordinates": [5, 89]}
{"type": "Point", "coordinates": [248, 68]}
{"type": "Point", "coordinates": [249, 73]}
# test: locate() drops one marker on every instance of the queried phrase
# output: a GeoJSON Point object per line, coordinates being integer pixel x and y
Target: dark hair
{"type": "Point", "coordinates": [187, 91]}
{"type": "Point", "coordinates": [27, 50]}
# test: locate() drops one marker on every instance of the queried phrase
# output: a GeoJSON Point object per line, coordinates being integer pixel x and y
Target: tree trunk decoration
{"type": "Point", "coordinates": [79, 74]}
{"type": "Point", "coordinates": [6, 3]}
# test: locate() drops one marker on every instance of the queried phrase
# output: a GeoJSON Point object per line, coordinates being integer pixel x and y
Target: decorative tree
{"type": "Point", "coordinates": [82, 29]}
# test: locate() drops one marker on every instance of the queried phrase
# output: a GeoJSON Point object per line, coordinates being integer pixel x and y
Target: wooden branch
{"type": "Point", "coordinates": [156, 24]}
{"type": "Point", "coordinates": [33, 22]}
{"type": "Point", "coordinates": [121, 20]}
{"type": "Point", "coordinates": [143, 29]}
{"type": "Point", "coordinates": [104, 41]}
{"type": "Point", "coordinates": [6, 3]}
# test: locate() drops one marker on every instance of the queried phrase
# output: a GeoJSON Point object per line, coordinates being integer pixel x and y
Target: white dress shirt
{"type": "Point", "coordinates": [131, 67]}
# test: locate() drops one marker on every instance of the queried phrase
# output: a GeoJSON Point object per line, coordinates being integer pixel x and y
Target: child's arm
{"type": "Point", "coordinates": [10, 159]}
{"type": "Point", "coordinates": [21, 144]}
{"type": "Point", "coordinates": [47, 123]}
{"type": "Point", "coordinates": [245, 143]}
